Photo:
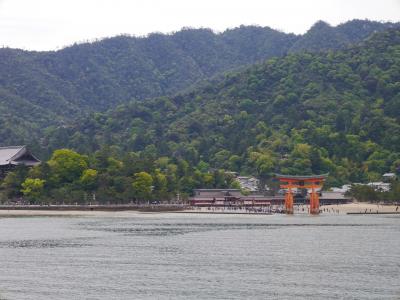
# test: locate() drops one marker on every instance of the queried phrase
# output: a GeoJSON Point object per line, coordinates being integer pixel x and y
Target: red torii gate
{"type": "Point", "coordinates": [312, 182]}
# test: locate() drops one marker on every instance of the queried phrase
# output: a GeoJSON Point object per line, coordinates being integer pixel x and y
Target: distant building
{"type": "Point", "coordinates": [207, 193]}
{"type": "Point", "coordinates": [234, 198]}
{"type": "Point", "coordinates": [13, 156]}
{"type": "Point", "coordinates": [389, 176]}
{"type": "Point", "coordinates": [248, 183]}
{"type": "Point", "coordinates": [344, 189]}
{"type": "Point", "coordinates": [231, 198]}
{"type": "Point", "coordinates": [380, 186]}
{"type": "Point", "coordinates": [328, 197]}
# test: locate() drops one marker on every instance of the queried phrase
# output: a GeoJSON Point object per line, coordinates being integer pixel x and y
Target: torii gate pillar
{"type": "Point", "coordinates": [313, 183]}
{"type": "Point", "coordinates": [289, 201]}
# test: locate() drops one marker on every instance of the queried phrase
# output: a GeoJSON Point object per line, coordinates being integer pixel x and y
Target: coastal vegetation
{"type": "Point", "coordinates": [365, 193]}
{"type": "Point", "coordinates": [334, 109]}
{"type": "Point", "coordinates": [109, 176]}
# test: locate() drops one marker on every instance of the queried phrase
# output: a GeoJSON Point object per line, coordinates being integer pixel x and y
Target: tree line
{"type": "Point", "coordinates": [112, 177]}
{"type": "Point", "coordinates": [109, 176]}
{"type": "Point", "coordinates": [365, 193]}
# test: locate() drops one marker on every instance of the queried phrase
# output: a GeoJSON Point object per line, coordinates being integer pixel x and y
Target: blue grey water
{"type": "Point", "coordinates": [186, 256]}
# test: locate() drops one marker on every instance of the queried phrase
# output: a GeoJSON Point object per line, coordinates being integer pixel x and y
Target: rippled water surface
{"type": "Point", "coordinates": [183, 256]}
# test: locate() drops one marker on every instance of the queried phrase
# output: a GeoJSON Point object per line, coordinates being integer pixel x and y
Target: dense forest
{"type": "Point", "coordinates": [308, 112]}
{"type": "Point", "coordinates": [50, 89]}
{"type": "Point", "coordinates": [335, 111]}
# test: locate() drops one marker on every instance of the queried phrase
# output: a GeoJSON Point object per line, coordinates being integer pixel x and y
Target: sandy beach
{"type": "Point", "coordinates": [355, 207]}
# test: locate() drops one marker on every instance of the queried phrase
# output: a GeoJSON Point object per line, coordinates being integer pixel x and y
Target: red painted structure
{"type": "Point", "coordinates": [313, 183]}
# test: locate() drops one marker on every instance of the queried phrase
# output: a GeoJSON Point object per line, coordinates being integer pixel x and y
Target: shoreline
{"type": "Point", "coordinates": [336, 209]}
{"type": "Point", "coordinates": [355, 208]}
{"type": "Point", "coordinates": [85, 210]}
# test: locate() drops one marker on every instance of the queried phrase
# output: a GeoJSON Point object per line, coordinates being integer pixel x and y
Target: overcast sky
{"type": "Point", "coordinates": [52, 24]}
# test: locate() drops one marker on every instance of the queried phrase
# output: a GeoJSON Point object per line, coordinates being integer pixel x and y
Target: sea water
{"type": "Point", "coordinates": [189, 256]}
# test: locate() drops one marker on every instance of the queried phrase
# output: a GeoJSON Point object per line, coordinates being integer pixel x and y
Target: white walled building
{"type": "Point", "coordinates": [380, 186]}
{"type": "Point", "coordinates": [248, 183]}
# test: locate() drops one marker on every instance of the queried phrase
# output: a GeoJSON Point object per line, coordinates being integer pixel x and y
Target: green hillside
{"type": "Point", "coordinates": [334, 111]}
{"type": "Point", "coordinates": [42, 89]}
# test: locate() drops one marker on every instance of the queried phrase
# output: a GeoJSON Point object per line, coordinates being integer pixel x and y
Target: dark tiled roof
{"type": "Point", "coordinates": [11, 154]}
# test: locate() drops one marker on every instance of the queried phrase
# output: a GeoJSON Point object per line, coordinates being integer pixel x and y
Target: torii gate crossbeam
{"type": "Point", "coordinates": [313, 183]}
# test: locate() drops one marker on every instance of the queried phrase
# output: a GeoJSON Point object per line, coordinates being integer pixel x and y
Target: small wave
{"type": "Point", "coordinates": [39, 244]}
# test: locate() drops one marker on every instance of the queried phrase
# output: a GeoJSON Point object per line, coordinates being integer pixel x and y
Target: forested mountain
{"type": "Point", "coordinates": [40, 89]}
{"type": "Point", "coordinates": [322, 36]}
{"type": "Point", "coordinates": [335, 111]}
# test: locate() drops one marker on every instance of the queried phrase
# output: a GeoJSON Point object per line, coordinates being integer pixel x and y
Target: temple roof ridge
{"type": "Point", "coordinates": [11, 154]}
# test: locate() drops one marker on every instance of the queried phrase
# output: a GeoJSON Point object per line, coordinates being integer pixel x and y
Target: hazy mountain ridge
{"type": "Point", "coordinates": [60, 85]}
{"type": "Point", "coordinates": [336, 112]}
